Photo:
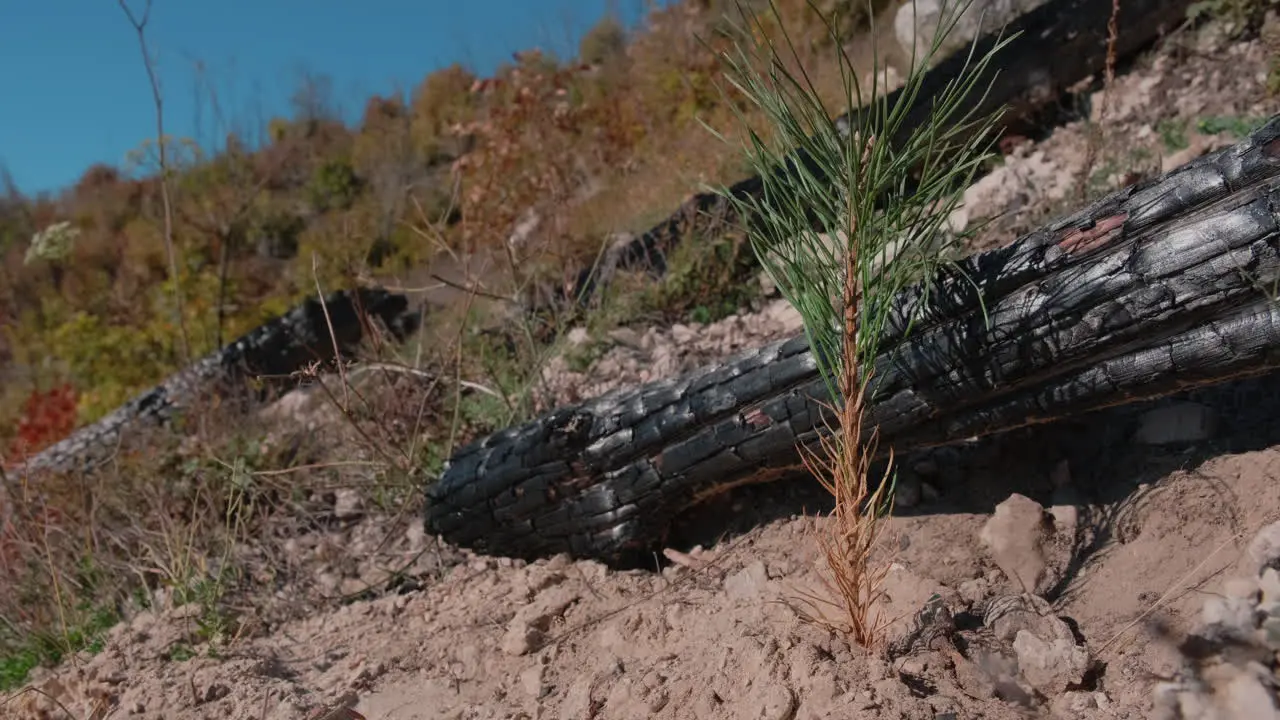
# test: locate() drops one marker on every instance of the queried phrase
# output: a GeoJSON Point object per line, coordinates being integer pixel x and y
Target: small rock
{"type": "Point", "coordinates": [1015, 535]}
{"type": "Point", "coordinates": [628, 337]}
{"type": "Point", "coordinates": [1241, 588]}
{"type": "Point", "coordinates": [974, 590]}
{"type": "Point", "coordinates": [1247, 698]}
{"type": "Point", "coordinates": [365, 676]}
{"type": "Point", "coordinates": [612, 638]}
{"type": "Point", "coordinates": [877, 669]}
{"type": "Point", "coordinates": [415, 535]}
{"type": "Point", "coordinates": [779, 703]}
{"type": "Point", "coordinates": [1065, 518]}
{"type": "Point", "coordinates": [521, 638]}
{"type": "Point", "coordinates": [583, 699]}
{"type": "Point", "coordinates": [768, 288]}
{"type": "Point", "coordinates": [350, 586]}
{"type": "Point", "coordinates": [914, 666]}
{"type": "Point", "coordinates": [539, 581]}
{"type": "Point", "coordinates": [926, 468]}
{"type": "Point", "coordinates": [1065, 509]}
{"type": "Point", "coordinates": [577, 701]}
{"type": "Point", "coordinates": [531, 681]}
{"type": "Point", "coordinates": [216, 691]}
{"type": "Point", "coordinates": [1183, 422]}
{"type": "Point", "coordinates": [683, 334]}
{"type": "Point", "coordinates": [748, 582]}
{"type": "Point", "coordinates": [625, 700]}
{"type": "Point", "coordinates": [347, 504]}
{"type": "Point", "coordinates": [1048, 657]}
{"type": "Point", "coordinates": [907, 492]}
{"type": "Point", "coordinates": [1166, 701]}
{"type": "Point", "coordinates": [1269, 584]}
{"type": "Point", "coordinates": [328, 583]}
{"type": "Point", "coordinates": [1264, 549]}
{"type": "Point", "coordinates": [916, 23]}
{"type": "Point", "coordinates": [929, 493]}
{"type": "Point", "coordinates": [972, 680]}
{"type": "Point", "coordinates": [1050, 666]}
{"type": "Point", "coordinates": [1233, 612]}
{"type": "Point", "coordinates": [527, 629]}
{"type": "Point", "coordinates": [783, 315]}
{"type": "Point", "coordinates": [1073, 704]}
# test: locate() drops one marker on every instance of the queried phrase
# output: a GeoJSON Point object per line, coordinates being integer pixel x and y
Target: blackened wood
{"type": "Point", "coordinates": [1156, 288]}
{"type": "Point", "coordinates": [274, 349]}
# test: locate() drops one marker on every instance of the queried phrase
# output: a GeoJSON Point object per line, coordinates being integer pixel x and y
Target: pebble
{"type": "Point", "coordinates": [1184, 422]}
{"type": "Point", "coordinates": [1050, 665]}
{"type": "Point", "coordinates": [1229, 611]}
{"type": "Point", "coordinates": [747, 583]}
{"type": "Point", "coordinates": [1240, 683]}
{"type": "Point", "coordinates": [779, 703]}
{"type": "Point", "coordinates": [520, 639]}
{"type": "Point", "coordinates": [908, 491]}
{"type": "Point", "coordinates": [1247, 698]}
{"type": "Point", "coordinates": [974, 590]}
{"type": "Point", "coordinates": [1015, 536]}
{"type": "Point", "coordinates": [929, 493]}
{"type": "Point", "coordinates": [531, 681]}
{"type": "Point", "coordinates": [1264, 549]}
{"type": "Point", "coordinates": [347, 504]}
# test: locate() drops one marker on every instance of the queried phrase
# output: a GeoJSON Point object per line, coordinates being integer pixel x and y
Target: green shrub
{"type": "Point", "coordinates": [334, 186]}
{"type": "Point", "coordinates": [603, 42]}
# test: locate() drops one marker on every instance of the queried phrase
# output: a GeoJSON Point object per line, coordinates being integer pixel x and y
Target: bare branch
{"type": "Point", "coordinates": [139, 27]}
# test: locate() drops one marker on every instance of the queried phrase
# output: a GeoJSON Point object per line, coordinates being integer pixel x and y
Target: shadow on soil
{"type": "Point", "coordinates": [1109, 470]}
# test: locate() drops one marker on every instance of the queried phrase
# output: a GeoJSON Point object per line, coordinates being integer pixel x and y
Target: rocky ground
{"type": "Point", "coordinates": [1122, 565]}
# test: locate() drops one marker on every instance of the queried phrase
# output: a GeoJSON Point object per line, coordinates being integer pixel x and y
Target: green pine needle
{"type": "Point", "coordinates": [862, 192]}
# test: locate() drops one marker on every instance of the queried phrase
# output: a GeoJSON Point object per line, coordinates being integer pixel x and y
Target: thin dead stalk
{"type": "Point", "coordinates": [139, 26]}
{"type": "Point", "coordinates": [1109, 75]}
{"type": "Point", "coordinates": [333, 336]}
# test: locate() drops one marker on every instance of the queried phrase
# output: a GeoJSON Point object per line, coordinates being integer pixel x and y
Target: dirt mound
{"type": "Point", "coordinates": [720, 633]}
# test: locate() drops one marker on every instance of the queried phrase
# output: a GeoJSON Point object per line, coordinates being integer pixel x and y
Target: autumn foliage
{"type": "Point", "coordinates": [47, 416]}
{"type": "Point", "coordinates": [573, 149]}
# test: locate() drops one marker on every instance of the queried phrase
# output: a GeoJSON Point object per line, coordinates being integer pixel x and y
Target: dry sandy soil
{"type": "Point", "coordinates": [1053, 571]}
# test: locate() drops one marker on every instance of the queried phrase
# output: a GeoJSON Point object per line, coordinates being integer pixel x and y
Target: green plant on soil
{"type": "Point", "coordinates": [884, 234]}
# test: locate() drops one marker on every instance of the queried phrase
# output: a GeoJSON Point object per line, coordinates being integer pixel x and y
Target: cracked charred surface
{"type": "Point", "coordinates": [276, 349]}
{"type": "Point", "coordinates": [1156, 288]}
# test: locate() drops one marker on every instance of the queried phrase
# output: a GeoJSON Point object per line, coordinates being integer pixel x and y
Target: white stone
{"type": "Point", "coordinates": [916, 23]}
{"type": "Point", "coordinates": [1177, 423]}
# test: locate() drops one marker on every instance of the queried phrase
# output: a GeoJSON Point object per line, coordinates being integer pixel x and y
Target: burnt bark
{"type": "Point", "coordinates": [1060, 44]}
{"type": "Point", "coordinates": [269, 352]}
{"type": "Point", "coordinates": [1156, 288]}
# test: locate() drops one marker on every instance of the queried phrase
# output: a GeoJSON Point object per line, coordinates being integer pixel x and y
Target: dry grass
{"type": "Point", "coordinates": [203, 514]}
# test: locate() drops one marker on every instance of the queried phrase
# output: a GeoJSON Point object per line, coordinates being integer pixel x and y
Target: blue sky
{"type": "Point", "coordinates": [74, 90]}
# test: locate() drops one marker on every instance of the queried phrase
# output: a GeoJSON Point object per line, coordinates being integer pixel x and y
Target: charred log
{"type": "Point", "coordinates": [1156, 288]}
